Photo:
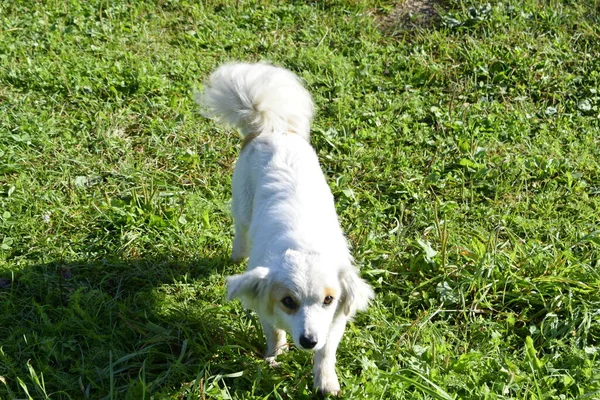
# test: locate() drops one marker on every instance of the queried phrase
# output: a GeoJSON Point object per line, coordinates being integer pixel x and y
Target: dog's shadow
{"type": "Point", "coordinates": [134, 328]}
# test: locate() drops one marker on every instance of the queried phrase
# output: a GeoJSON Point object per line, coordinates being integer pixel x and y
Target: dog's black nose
{"type": "Point", "coordinates": [308, 342]}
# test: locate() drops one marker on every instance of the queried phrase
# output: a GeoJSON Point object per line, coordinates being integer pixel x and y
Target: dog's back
{"type": "Point", "coordinates": [292, 204]}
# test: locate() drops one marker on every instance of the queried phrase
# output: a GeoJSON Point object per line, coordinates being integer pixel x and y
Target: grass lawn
{"type": "Point", "coordinates": [463, 152]}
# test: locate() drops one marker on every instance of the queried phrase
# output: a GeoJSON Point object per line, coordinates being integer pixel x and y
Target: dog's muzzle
{"type": "Point", "coordinates": [308, 341]}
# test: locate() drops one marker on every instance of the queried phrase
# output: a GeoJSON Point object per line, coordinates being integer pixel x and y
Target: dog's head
{"type": "Point", "coordinates": [302, 295]}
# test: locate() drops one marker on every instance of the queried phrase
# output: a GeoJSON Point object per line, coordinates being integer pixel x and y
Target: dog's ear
{"type": "Point", "coordinates": [247, 286]}
{"type": "Point", "coordinates": [356, 293]}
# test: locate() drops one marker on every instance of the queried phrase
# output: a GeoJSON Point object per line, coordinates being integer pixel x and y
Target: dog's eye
{"type": "Point", "coordinates": [289, 302]}
{"type": "Point", "coordinates": [328, 300]}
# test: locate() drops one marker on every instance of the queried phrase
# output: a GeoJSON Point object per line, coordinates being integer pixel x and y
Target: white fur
{"type": "Point", "coordinates": [285, 219]}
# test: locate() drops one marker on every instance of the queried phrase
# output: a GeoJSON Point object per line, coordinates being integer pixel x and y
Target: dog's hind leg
{"type": "Point", "coordinates": [241, 208]}
{"type": "Point", "coordinates": [276, 342]}
{"type": "Point", "coordinates": [326, 381]}
{"type": "Point", "coordinates": [241, 247]}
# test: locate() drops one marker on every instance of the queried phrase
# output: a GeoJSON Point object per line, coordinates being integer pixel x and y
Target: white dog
{"type": "Point", "coordinates": [300, 276]}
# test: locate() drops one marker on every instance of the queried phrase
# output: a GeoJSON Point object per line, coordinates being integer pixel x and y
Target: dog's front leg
{"type": "Point", "coordinates": [276, 342]}
{"type": "Point", "coordinates": [326, 381]}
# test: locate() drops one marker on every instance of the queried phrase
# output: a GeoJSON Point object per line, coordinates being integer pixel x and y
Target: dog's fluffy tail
{"type": "Point", "coordinates": [257, 99]}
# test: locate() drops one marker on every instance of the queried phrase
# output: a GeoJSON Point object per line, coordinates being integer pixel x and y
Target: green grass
{"type": "Point", "coordinates": [464, 158]}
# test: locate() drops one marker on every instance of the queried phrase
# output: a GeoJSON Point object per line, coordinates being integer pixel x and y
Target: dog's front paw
{"type": "Point", "coordinates": [272, 362]}
{"type": "Point", "coordinates": [328, 385]}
